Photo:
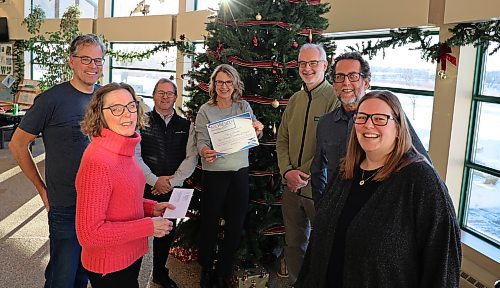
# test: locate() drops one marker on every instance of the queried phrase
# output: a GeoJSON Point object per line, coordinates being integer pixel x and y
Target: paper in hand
{"type": "Point", "coordinates": [181, 198]}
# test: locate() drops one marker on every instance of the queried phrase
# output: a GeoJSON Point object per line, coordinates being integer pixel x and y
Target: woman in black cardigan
{"type": "Point", "coordinates": [387, 219]}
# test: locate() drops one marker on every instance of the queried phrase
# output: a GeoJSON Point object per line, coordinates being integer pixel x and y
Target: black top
{"type": "Point", "coordinates": [57, 113]}
{"type": "Point", "coordinates": [405, 235]}
{"type": "Point", "coordinates": [358, 196]}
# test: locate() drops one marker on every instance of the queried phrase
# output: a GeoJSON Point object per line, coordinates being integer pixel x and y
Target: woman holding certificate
{"type": "Point", "coordinates": [225, 179]}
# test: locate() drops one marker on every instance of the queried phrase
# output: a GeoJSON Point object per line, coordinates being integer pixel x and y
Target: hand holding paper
{"type": "Point", "coordinates": [180, 198]}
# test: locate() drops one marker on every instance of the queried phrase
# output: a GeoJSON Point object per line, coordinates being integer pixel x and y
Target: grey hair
{"type": "Point", "coordinates": [86, 39]}
{"type": "Point", "coordinates": [318, 47]}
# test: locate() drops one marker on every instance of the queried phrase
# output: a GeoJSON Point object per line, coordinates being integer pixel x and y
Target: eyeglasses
{"type": "Point", "coordinates": [312, 63]}
{"type": "Point", "coordinates": [378, 119]}
{"type": "Point", "coordinates": [119, 109]}
{"type": "Point", "coordinates": [85, 60]}
{"type": "Point", "coordinates": [353, 77]}
{"type": "Point", "coordinates": [228, 83]}
{"type": "Point", "coordinates": [169, 94]}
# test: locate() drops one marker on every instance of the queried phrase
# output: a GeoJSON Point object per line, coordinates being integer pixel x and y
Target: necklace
{"type": "Point", "coordinates": [362, 182]}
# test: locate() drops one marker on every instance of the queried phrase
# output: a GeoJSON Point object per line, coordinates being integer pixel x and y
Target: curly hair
{"type": "Point", "coordinates": [93, 121]}
{"type": "Point", "coordinates": [235, 77]}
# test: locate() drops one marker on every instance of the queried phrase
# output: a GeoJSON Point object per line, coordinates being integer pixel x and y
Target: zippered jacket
{"type": "Point", "coordinates": [296, 141]}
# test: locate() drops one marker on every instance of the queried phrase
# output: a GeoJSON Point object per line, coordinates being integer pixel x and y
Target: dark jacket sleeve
{"type": "Point", "coordinates": [438, 233]}
{"type": "Point", "coordinates": [319, 165]}
{"type": "Point", "coordinates": [416, 141]}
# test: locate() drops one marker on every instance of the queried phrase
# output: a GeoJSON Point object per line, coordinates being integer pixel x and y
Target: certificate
{"type": "Point", "coordinates": [180, 198]}
{"type": "Point", "coordinates": [232, 134]}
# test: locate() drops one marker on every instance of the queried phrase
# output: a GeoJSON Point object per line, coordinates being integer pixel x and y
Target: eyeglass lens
{"type": "Point", "coordinates": [353, 77]}
{"type": "Point", "coordinates": [119, 109]}
{"type": "Point", "coordinates": [377, 119]}
{"type": "Point", "coordinates": [220, 83]}
{"type": "Point", "coordinates": [312, 63]}
{"type": "Point", "coordinates": [87, 60]}
{"type": "Point", "coordinates": [169, 94]}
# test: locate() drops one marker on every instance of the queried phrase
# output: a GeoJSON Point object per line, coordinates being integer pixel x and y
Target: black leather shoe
{"type": "Point", "coordinates": [164, 281]}
{"type": "Point", "coordinates": [207, 279]}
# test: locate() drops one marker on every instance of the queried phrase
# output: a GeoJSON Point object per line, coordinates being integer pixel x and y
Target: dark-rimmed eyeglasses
{"type": "Point", "coordinates": [169, 94]}
{"type": "Point", "coordinates": [312, 63]}
{"type": "Point", "coordinates": [86, 60]}
{"type": "Point", "coordinates": [378, 119]}
{"type": "Point", "coordinates": [119, 109]}
{"type": "Point", "coordinates": [353, 77]}
{"type": "Point", "coordinates": [228, 83]}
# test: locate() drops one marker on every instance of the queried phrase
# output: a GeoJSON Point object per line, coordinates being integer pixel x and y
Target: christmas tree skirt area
{"type": "Point", "coordinates": [187, 275]}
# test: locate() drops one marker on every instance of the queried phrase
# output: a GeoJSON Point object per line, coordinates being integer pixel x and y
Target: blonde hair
{"type": "Point", "coordinates": [403, 154]}
{"type": "Point", "coordinates": [238, 85]}
{"type": "Point", "coordinates": [93, 121]}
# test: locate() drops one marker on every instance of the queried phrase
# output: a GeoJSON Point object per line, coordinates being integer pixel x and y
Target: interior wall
{"type": "Point", "coordinates": [469, 11]}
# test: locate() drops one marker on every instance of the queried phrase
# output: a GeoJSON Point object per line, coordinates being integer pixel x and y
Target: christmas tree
{"type": "Point", "coordinates": [261, 39]}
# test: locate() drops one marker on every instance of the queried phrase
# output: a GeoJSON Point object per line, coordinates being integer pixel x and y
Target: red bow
{"type": "Point", "coordinates": [445, 55]}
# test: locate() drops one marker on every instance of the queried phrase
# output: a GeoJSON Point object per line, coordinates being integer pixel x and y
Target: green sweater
{"type": "Point", "coordinates": [296, 142]}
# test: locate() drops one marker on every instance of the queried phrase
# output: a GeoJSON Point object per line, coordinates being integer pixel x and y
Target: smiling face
{"type": "Point", "coordinates": [85, 75]}
{"type": "Point", "coordinates": [225, 91]}
{"type": "Point", "coordinates": [349, 93]}
{"type": "Point", "coordinates": [164, 103]}
{"type": "Point", "coordinates": [376, 141]}
{"type": "Point", "coordinates": [312, 76]}
{"type": "Point", "coordinates": [124, 124]}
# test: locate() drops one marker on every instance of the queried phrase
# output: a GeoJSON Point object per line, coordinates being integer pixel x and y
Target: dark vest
{"type": "Point", "coordinates": [163, 148]}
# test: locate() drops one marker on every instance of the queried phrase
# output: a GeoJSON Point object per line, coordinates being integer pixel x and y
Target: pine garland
{"type": "Point", "coordinates": [476, 34]}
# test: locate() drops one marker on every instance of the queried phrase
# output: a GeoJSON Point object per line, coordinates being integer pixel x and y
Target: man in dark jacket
{"type": "Point", "coordinates": [167, 156]}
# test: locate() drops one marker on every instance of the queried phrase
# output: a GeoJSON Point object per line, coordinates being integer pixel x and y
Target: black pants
{"type": "Point", "coordinates": [161, 246]}
{"type": "Point", "coordinates": [126, 278]}
{"type": "Point", "coordinates": [225, 195]}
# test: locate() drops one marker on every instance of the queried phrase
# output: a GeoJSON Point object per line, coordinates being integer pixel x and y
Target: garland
{"type": "Point", "coordinates": [476, 34]}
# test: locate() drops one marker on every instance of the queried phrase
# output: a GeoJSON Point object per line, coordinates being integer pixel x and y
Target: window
{"type": "Point", "coordinates": [143, 75]}
{"type": "Point", "coordinates": [121, 8]}
{"type": "Point", "coordinates": [480, 201]}
{"type": "Point", "coordinates": [56, 8]}
{"type": "Point", "coordinates": [406, 74]}
{"type": "Point", "coordinates": [207, 4]}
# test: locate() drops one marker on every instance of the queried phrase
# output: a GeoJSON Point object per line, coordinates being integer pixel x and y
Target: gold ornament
{"type": "Point", "coordinates": [310, 36]}
{"type": "Point", "coordinates": [275, 103]}
{"type": "Point", "coordinates": [442, 74]}
{"type": "Point", "coordinates": [258, 17]}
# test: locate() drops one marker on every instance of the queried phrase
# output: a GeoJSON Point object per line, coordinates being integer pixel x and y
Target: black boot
{"type": "Point", "coordinates": [207, 278]}
{"type": "Point", "coordinates": [162, 278]}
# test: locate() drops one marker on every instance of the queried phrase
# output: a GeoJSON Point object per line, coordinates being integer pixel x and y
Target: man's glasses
{"type": "Point", "coordinates": [119, 109]}
{"type": "Point", "coordinates": [228, 83]}
{"type": "Point", "coordinates": [353, 77]}
{"type": "Point", "coordinates": [312, 63]}
{"type": "Point", "coordinates": [378, 119]}
{"type": "Point", "coordinates": [87, 60]}
{"type": "Point", "coordinates": [169, 94]}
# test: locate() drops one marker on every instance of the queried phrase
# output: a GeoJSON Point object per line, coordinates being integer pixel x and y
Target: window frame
{"type": "Point", "coordinates": [111, 66]}
{"type": "Point", "coordinates": [469, 165]}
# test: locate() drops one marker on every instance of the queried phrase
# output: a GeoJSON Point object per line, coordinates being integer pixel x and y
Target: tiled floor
{"type": "Point", "coordinates": [24, 246]}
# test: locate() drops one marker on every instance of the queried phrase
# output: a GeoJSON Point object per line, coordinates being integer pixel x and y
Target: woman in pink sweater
{"type": "Point", "coordinates": [113, 221]}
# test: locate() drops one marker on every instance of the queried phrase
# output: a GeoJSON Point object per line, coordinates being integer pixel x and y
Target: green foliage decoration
{"type": "Point", "coordinates": [463, 34]}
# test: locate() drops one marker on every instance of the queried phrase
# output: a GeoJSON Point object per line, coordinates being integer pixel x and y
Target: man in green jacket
{"type": "Point", "coordinates": [295, 146]}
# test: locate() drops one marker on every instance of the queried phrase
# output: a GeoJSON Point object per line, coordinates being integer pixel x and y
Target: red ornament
{"type": "Point", "coordinates": [182, 37]}
{"type": "Point", "coordinates": [274, 71]}
{"type": "Point", "coordinates": [255, 41]}
{"type": "Point", "coordinates": [196, 64]}
{"type": "Point", "coordinates": [295, 44]}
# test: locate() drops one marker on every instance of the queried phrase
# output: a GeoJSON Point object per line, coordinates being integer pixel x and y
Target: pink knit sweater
{"type": "Point", "coordinates": [110, 208]}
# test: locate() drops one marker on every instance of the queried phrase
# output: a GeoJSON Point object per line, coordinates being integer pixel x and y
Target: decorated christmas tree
{"type": "Point", "coordinates": [261, 39]}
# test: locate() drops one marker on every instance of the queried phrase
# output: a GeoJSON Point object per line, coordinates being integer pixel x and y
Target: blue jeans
{"type": "Point", "coordinates": [65, 268]}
